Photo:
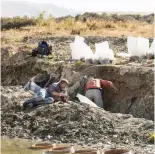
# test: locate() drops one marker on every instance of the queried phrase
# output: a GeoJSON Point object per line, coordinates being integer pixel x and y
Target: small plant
{"type": "Point", "coordinates": [151, 138]}
{"type": "Point", "coordinates": [10, 54]}
{"type": "Point", "coordinates": [78, 63]}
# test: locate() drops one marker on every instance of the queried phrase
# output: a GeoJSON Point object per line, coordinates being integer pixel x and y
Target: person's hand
{"type": "Point", "coordinates": [116, 91]}
{"type": "Point", "coordinates": [65, 99]}
{"type": "Point", "coordinates": [63, 95]}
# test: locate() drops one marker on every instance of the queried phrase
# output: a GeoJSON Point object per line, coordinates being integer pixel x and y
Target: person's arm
{"type": "Point", "coordinates": [82, 87]}
{"type": "Point", "coordinates": [58, 94]}
{"type": "Point", "coordinates": [106, 83]}
{"type": "Point", "coordinates": [52, 90]}
{"type": "Point", "coordinates": [114, 88]}
{"type": "Point", "coordinates": [65, 97]}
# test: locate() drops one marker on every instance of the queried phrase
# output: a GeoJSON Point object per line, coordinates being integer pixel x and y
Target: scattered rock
{"type": "Point", "coordinates": [75, 123]}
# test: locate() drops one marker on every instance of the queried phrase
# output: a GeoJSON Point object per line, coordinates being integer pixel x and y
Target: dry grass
{"type": "Point", "coordinates": [70, 27]}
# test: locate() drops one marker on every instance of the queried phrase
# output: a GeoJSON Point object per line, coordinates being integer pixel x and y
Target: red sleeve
{"type": "Point", "coordinates": [105, 83]}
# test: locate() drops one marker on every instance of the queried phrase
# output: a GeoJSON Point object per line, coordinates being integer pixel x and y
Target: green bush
{"type": "Point", "coordinates": [16, 22]}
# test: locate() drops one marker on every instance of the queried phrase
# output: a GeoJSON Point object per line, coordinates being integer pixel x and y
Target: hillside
{"type": "Point", "coordinates": [11, 9]}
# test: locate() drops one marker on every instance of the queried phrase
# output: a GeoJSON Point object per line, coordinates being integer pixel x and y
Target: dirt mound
{"type": "Point", "coordinates": [73, 123]}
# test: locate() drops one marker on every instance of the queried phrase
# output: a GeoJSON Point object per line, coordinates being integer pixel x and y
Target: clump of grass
{"type": "Point", "coordinates": [78, 63]}
{"type": "Point", "coordinates": [66, 24]}
{"type": "Point", "coordinates": [10, 54]}
{"type": "Point", "coordinates": [151, 137]}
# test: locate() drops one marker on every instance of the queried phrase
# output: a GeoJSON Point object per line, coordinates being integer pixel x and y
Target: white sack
{"type": "Point", "coordinates": [111, 54]}
{"type": "Point", "coordinates": [79, 38]}
{"type": "Point", "coordinates": [137, 46]}
{"type": "Point", "coordinates": [85, 100]}
{"type": "Point", "coordinates": [123, 54]}
{"type": "Point", "coordinates": [102, 50]}
{"type": "Point", "coordinates": [80, 49]}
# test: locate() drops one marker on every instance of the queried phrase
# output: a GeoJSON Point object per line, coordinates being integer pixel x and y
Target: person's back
{"type": "Point", "coordinates": [93, 84]}
{"type": "Point", "coordinates": [94, 90]}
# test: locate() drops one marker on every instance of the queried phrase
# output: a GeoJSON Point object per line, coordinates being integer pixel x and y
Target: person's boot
{"type": "Point", "coordinates": [29, 103]}
{"type": "Point", "coordinates": [32, 103]}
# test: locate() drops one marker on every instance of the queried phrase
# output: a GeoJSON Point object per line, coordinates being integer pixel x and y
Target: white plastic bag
{"type": "Point", "coordinates": [79, 48]}
{"type": "Point", "coordinates": [95, 58]}
{"type": "Point", "coordinates": [103, 52]}
{"type": "Point", "coordinates": [137, 46]}
{"type": "Point", "coordinates": [79, 38]}
{"type": "Point", "coordinates": [123, 54]}
{"type": "Point", "coordinates": [142, 46]}
{"type": "Point", "coordinates": [111, 55]}
{"type": "Point", "coordinates": [131, 44]}
{"type": "Point", "coordinates": [74, 52]}
{"type": "Point", "coordinates": [85, 100]}
{"type": "Point", "coordinates": [89, 56]}
{"type": "Point", "coordinates": [102, 49]}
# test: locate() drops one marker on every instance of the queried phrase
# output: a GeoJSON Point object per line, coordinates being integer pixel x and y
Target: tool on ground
{"type": "Point", "coordinates": [88, 151]}
{"type": "Point", "coordinates": [62, 150]}
{"type": "Point", "coordinates": [43, 146]}
{"type": "Point", "coordinates": [85, 100]}
{"type": "Point", "coordinates": [118, 151]}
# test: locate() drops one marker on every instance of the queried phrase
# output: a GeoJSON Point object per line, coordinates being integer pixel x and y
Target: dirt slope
{"type": "Point", "coordinates": [73, 123]}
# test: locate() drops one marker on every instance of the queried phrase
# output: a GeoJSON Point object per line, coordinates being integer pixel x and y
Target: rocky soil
{"type": "Point", "coordinates": [61, 45]}
{"type": "Point", "coordinates": [73, 123]}
{"type": "Point", "coordinates": [134, 81]}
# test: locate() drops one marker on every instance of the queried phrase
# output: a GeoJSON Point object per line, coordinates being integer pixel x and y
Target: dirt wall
{"type": "Point", "coordinates": [135, 85]}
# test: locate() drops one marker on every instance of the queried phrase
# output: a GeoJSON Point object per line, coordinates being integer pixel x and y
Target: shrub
{"type": "Point", "coordinates": [16, 22]}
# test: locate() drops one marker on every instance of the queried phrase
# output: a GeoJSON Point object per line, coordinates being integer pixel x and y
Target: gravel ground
{"type": "Point", "coordinates": [73, 123]}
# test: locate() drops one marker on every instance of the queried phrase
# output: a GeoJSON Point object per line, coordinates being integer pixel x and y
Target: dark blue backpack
{"type": "Point", "coordinates": [43, 48]}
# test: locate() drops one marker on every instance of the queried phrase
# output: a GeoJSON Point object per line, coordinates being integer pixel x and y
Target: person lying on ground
{"type": "Point", "coordinates": [53, 93]}
{"type": "Point", "coordinates": [94, 89]}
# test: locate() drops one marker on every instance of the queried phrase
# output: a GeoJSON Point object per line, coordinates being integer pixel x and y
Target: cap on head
{"type": "Point", "coordinates": [64, 81]}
